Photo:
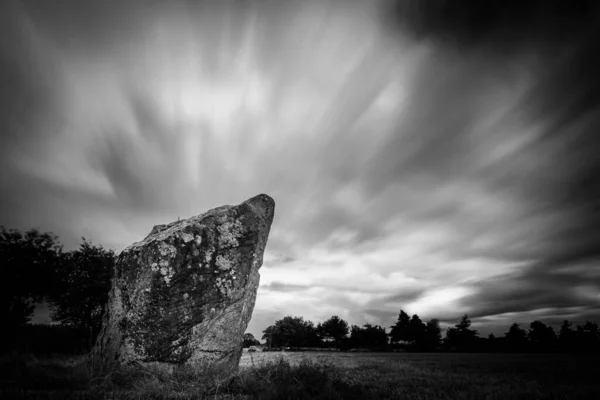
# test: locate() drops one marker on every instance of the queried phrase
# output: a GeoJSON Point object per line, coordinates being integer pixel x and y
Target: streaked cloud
{"type": "Point", "coordinates": [408, 172]}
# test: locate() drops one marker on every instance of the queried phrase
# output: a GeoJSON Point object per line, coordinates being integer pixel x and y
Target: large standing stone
{"type": "Point", "coordinates": [186, 292]}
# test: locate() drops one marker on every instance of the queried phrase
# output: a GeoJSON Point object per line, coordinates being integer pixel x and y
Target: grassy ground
{"type": "Point", "coordinates": [321, 375]}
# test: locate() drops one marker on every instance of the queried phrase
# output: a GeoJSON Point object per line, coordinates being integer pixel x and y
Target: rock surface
{"type": "Point", "coordinates": [186, 292]}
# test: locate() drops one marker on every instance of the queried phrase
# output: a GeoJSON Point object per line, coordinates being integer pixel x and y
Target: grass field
{"type": "Point", "coordinates": [310, 375]}
{"type": "Point", "coordinates": [461, 375]}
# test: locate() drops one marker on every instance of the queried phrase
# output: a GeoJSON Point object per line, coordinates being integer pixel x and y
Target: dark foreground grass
{"type": "Point", "coordinates": [307, 376]}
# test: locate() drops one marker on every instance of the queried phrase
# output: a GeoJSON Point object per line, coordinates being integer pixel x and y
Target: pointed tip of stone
{"type": "Point", "coordinates": [264, 204]}
{"type": "Point", "coordinates": [262, 198]}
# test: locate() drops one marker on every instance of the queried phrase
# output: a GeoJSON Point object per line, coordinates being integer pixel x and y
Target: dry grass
{"type": "Point", "coordinates": [322, 375]}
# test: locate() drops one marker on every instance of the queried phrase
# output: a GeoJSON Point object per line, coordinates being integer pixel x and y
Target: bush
{"type": "Point", "coordinates": [41, 339]}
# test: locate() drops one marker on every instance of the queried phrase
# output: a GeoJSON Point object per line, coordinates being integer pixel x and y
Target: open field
{"type": "Point", "coordinates": [461, 375]}
{"type": "Point", "coordinates": [297, 375]}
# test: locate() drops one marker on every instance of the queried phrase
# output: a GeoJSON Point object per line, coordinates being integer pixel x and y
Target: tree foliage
{"type": "Point", "coordinates": [400, 330]}
{"type": "Point", "coordinates": [368, 336]}
{"type": "Point", "coordinates": [433, 335]}
{"type": "Point", "coordinates": [334, 329]}
{"type": "Point", "coordinates": [29, 260]}
{"type": "Point", "coordinates": [516, 338]}
{"type": "Point", "coordinates": [292, 332]}
{"type": "Point", "coordinates": [414, 334]}
{"type": "Point", "coordinates": [250, 340]}
{"type": "Point", "coordinates": [541, 337]}
{"type": "Point", "coordinates": [461, 336]}
{"type": "Point", "coordinates": [83, 283]}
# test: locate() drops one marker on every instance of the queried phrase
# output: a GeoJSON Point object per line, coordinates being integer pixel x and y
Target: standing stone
{"type": "Point", "coordinates": [186, 292]}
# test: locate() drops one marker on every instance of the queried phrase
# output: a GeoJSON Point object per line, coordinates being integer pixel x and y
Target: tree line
{"type": "Point", "coordinates": [413, 334]}
{"type": "Point", "coordinates": [75, 285]}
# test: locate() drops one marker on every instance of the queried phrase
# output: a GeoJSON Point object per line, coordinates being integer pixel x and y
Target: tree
{"type": "Point", "coordinates": [566, 336]}
{"type": "Point", "coordinates": [461, 337]}
{"type": "Point", "coordinates": [433, 334]}
{"type": "Point", "coordinates": [541, 336]}
{"type": "Point", "coordinates": [588, 336]}
{"type": "Point", "coordinates": [400, 330]}
{"type": "Point", "coordinates": [250, 340]}
{"type": "Point", "coordinates": [335, 329]}
{"type": "Point", "coordinates": [291, 331]}
{"type": "Point", "coordinates": [28, 262]}
{"type": "Point", "coordinates": [369, 336]}
{"type": "Point", "coordinates": [516, 338]}
{"type": "Point", "coordinates": [416, 330]}
{"type": "Point", "coordinates": [83, 284]}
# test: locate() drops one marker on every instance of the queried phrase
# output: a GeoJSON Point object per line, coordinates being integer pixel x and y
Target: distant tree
{"type": "Point", "coordinates": [369, 336]}
{"type": "Point", "coordinates": [491, 345]}
{"type": "Point", "coordinates": [566, 337]}
{"type": "Point", "coordinates": [565, 331]}
{"type": "Point", "coordinates": [82, 287]}
{"type": "Point", "coordinates": [400, 330]}
{"type": "Point", "coordinates": [588, 336]}
{"type": "Point", "coordinates": [417, 330]}
{"type": "Point", "coordinates": [433, 335]}
{"type": "Point", "coordinates": [29, 260]}
{"type": "Point", "coordinates": [541, 337]}
{"type": "Point", "coordinates": [335, 329]}
{"type": "Point", "coordinates": [293, 332]}
{"type": "Point", "coordinates": [516, 338]}
{"type": "Point", "coordinates": [356, 336]}
{"type": "Point", "coordinates": [250, 340]}
{"type": "Point", "coordinates": [590, 328]}
{"type": "Point", "coordinates": [461, 337]}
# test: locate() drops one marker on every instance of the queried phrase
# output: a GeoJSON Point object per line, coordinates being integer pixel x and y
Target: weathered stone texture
{"type": "Point", "coordinates": [186, 292]}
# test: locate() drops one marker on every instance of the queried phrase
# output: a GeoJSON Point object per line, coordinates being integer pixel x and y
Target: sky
{"type": "Point", "coordinates": [438, 160]}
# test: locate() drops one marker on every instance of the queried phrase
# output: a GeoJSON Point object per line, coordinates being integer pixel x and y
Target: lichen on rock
{"type": "Point", "coordinates": [230, 232]}
{"type": "Point", "coordinates": [186, 292]}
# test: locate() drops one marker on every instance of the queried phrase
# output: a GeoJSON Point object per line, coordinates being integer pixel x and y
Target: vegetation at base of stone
{"type": "Point", "coordinates": [42, 340]}
{"type": "Point", "coordinates": [28, 262]}
{"type": "Point", "coordinates": [75, 284]}
{"type": "Point", "coordinates": [339, 376]}
{"type": "Point", "coordinates": [81, 287]}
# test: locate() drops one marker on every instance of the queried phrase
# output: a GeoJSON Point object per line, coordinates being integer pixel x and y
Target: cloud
{"type": "Point", "coordinates": [408, 172]}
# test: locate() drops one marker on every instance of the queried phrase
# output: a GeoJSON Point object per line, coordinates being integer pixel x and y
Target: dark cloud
{"type": "Point", "coordinates": [504, 24]}
{"type": "Point", "coordinates": [406, 296]}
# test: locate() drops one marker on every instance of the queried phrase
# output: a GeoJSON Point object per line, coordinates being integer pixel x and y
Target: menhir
{"type": "Point", "coordinates": [185, 293]}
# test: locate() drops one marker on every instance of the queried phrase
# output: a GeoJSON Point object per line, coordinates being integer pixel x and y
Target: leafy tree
{"type": "Point", "coordinates": [250, 340]}
{"type": "Point", "coordinates": [591, 329]}
{"type": "Point", "coordinates": [291, 331]}
{"type": "Point", "coordinates": [369, 336]}
{"type": "Point", "coordinates": [461, 336]}
{"type": "Point", "coordinates": [433, 334]}
{"type": "Point", "coordinates": [516, 338]}
{"type": "Point", "coordinates": [417, 330]}
{"type": "Point", "coordinates": [83, 286]}
{"type": "Point", "coordinates": [541, 336]}
{"type": "Point", "coordinates": [28, 262]}
{"type": "Point", "coordinates": [566, 336]}
{"type": "Point", "coordinates": [588, 336]}
{"type": "Point", "coordinates": [335, 329]}
{"type": "Point", "coordinates": [400, 330]}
